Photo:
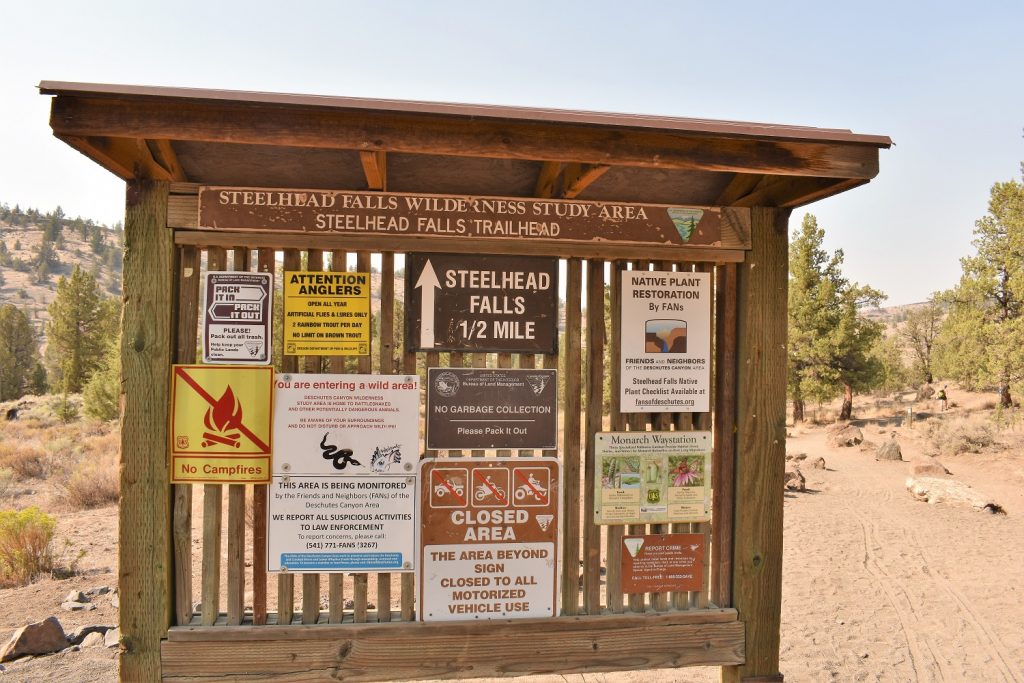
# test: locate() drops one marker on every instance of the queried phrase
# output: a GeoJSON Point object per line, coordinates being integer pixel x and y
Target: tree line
{"type": "Point", "coordinates": [972, 333]}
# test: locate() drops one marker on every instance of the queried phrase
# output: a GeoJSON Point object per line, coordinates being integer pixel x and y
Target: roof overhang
{"type": "Point", "coordinates": [218, 137]}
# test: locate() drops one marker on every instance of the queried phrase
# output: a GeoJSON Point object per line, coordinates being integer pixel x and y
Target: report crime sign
{"type": "Point", "coordinates": [343, 494]}
{"type": "Point", "coordinates": [236, 317]}
{"type": "Point", "coordinates": [482, 303]}
{"type": "Point", "coordinates": [488, 538]}
{"type": "Point", "coordinates": [666, 342]}
{"type": "Point", "coordinates": [326, 313]}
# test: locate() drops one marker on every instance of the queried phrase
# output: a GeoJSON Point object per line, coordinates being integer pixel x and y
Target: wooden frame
{"type": "Point", "coordinates": [165, 141]}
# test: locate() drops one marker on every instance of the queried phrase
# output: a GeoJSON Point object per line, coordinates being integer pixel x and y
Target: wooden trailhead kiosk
{"type": "Point", "coordinates": [633, 269]}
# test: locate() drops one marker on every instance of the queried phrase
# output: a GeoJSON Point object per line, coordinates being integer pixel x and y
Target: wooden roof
{"type": "Point", "coordinates": [219, 137]}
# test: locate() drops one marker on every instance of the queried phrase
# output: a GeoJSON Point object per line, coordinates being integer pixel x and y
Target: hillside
{"type": "Point", "coordinates": [94, 248]}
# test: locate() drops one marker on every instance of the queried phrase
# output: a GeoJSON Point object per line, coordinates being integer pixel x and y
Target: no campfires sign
{"type": "Point", "coordinates": [488, 538]}
{"type": "Point", "coordinates": [221, 423]}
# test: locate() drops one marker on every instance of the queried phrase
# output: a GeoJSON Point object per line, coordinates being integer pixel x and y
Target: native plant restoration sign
{"type": "Point", "coordinates": [666, 342]}
{"type": "Point", "coordinates": [343, 494]}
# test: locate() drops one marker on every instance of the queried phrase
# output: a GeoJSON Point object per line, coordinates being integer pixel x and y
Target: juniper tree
{"type": "Point", "coordinates": [19, 352]}
{"type": "Point", "coordinates": [80, 325]}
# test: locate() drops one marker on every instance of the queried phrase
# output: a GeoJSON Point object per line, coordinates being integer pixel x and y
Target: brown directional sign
{"type": "Point", "coordinates": [482, 303]}
{"type": "Point", "coordinates": [488, 538]}
{"type": "Point", "coordinates": [460, 217]}
{"type": "Point", "coordinates": [475, 408]}
{"type": "Point", "coordinates": [662, 562]}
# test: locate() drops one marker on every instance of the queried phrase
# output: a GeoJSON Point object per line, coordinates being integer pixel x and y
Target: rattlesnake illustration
{"type": "Point", "coordinates": [340, 457]}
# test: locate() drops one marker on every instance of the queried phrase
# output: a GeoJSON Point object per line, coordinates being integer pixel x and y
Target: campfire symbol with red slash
{"type": "Point", "coordinates": [222, 421]}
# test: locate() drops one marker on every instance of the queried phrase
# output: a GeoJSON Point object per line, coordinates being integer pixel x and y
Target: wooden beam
{"type": "Point", "coordinates": [546, 179]}
{"type": "Point", "coordinates": [148, 331]}
{"type": "Point", "coordinates": [782, 191]}
{"type": "Point", "coordinates": [163, 154]}
{"type": "Point", "coordinates": [760, 443]}
{"type": "Point", "coordinates": [421, 134]}
{"type": "Point", "coordinates": [376, 170]}
{"type": "Point", "coordinates": [377, 652]}
{"type": "Point", "coordinates": [298, 240]}
{"type": "Point", "coordinates": [576, 178]}
{"type": "Point", "coordinates": [125, 157]}
{"type": "Point", "coordinates": [740, 186]}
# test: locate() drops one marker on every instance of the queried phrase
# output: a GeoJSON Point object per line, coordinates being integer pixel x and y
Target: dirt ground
{"type": "Point", "coordinates": [877, 586]}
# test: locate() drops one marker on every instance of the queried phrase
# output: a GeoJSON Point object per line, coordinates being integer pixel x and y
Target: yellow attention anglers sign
{"type": "Point", "coordinates": [221, 423]}
{"type": "Point", "coordinates": [326, 314]}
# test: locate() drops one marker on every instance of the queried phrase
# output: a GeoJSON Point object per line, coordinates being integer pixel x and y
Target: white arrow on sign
{"type": "Point", "coordinates": [427, 282]}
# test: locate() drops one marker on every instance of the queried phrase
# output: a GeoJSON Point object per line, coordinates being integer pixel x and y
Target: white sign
{"type": "Point", "coordinates": [236, 317]}
{"type": "Point", "coordinates": [666, 342]}
{"type": "Point", "coordinates": [343, 492]}
{"type": "Point", "coordinates": [488, 581]}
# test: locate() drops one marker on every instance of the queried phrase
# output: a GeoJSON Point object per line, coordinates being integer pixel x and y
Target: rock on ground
{"type": "Point", "coordinates": [845, 437]}
{"type": "Point", "coordinates": [795, 480]}
{"type": "Point", "coordinates": [40, 638]}
{"type": "Point", "coordinates": [951, 491]}
{"type": "Point", "coordinates": [929, 468]}
{"type": "Point", "coordinates": [816, 463]}
{"type": "Point", "coordinates": [890, 450]}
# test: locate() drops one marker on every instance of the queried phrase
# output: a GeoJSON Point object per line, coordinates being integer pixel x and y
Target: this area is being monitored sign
{"type": "Point", "coordinates": [482, 303]}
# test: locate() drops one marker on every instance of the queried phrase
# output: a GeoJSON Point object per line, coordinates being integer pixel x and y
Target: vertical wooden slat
{"type": "Point", "coordinates": [456, 360]}
{"type": "Point", "coordinates": [365, 367]}
{"type": "Point", "coordinates": [703, 422]}
{"type": "Point", "coordinates": [386, 345]}
{"type": "Point", "coordinates": [615, 532]}
{"type": "Point", "coordinates": [431, 360]}
{"type": "Point", "coordinates": [682, 422]}
{"type": "Point", "coordinates": [236, 510]}
{"type": "Point", "coordinates": [188, 324]}
{"type": "Point", "coordinates": [313, 364]}
{"type": "Point", "coordinates": [571, 439]}
{"type": "Point", "coordinates": [595, 412]}
{"type": "Point", "coordinates": [408, 607]}
{"type": "Point", "coordinates": [637, 422]}
{"type": "Point", "coordinates": [147, 349]}
{"type": "Point", "coordinates": [265, 264]}
{"type": "Point", "coordinates": [213, 494]}
{"type": "Point", "coordinates": [526, 360]}
{"type": "Point", "coordinates": [504, 361]}
{"type": "Point", "coordinates": [724, 459]}
{"type": "Point", "coordinates": [479, 360]}
{"type": "Point", "coordinates": [660, 422]}
{"type": "Point", "coordinates": [286, 580]}
{"type": "Point", "coordinates": [336, 581]}
{"type": "Point", "coordinates": [760, 443]}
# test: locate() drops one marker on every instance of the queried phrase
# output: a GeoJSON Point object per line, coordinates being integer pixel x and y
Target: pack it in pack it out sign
{"type": "Point", "coordinates": [488, 538]}
{"type": "Point", "coordinates": [326, 313]}
{"type": "Point", "coordinates": [666, 342]}
{"type": "Point", "coordinates": [482, 303]}
{"type": "Point", "coordinates": [471, 408]}
{"type": "Point", "coordinates": [460, 216]}
{"type": "Point", "coordinates": [221, 428]}
{"type": "Point", "coordinates": [236, 317]}
{"type": "Point", "coordinates": [343, 495]}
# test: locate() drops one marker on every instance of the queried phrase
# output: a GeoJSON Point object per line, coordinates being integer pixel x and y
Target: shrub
{"type": "Point", "coordinates": [25, 546]}
{"type": "Point", "coordinates": [27, 461]}
{"type": "Point", "coordinates": [959, 437]}
{"type": "Point", "coordinates": [94, 482]}
{"type": "Point", "coordinates": [6, 482]}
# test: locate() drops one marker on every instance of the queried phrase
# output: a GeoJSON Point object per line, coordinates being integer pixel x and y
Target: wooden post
{"type": "Point", "coordinates": [760, 445]}
{"type": "Point", "coordinates": [148, 328]}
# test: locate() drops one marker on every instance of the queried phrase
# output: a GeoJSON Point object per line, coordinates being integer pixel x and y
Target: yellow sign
{"type": "Point", "coordinates": [326, 314]}
{"type": "Point", "coordinates": [221, 422]}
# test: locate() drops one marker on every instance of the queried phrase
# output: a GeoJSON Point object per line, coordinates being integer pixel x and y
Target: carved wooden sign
{"type": "Point", "coordinates": [467, 217]}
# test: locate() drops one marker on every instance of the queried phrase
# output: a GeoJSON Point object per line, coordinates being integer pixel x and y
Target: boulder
{"type": "Point", "coordinates": [78, 636]}
{"type": "Point", "coordinates": [796, 457]}
{"type": "Point", "coordinates": [890, 450]}
{"type": "Point", "coordinates": [102, 590]}
{"type": "Point", "coordinates": [112, 638]}
{"type": "Point", "coordinates": [952, 492]}
{"type": "Point", "coordinates": [929, 468]}
{"type": "Point", "coordinates": [795, 480]}
{"type": "Point", "coordinates": [94, 639]}
{"type": "Point", "coordinates": [77, 606]}
{"type": "Point", "coordinates": [845, 437]}
{"type": "Point", "coordinates": [816, 463]}
{"type": "Point", "coordinates": [39, 638]}
{"type": "Point", "coordinates": [76, 596]}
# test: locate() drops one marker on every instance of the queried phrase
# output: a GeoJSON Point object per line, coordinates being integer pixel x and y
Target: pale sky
{"type": "Point", "coordinates": [943, 79]}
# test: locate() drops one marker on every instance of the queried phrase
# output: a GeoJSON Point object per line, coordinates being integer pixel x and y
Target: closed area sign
{"type": "Point", "coordinates": [489, 532]}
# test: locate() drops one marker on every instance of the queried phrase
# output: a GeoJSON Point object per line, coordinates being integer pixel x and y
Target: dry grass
{"type": "Point", "coordinates": [93, 482]}
{"type": "Point", "coordinates": [956, 436]}
{"type": "Point", "coordinates": [26, 552]}
{"type": "Point", "coordinates": [26, 460]}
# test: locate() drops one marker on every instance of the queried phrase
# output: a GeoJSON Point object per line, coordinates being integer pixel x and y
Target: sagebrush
{"type": "Point", "coordinates": [26, 540]}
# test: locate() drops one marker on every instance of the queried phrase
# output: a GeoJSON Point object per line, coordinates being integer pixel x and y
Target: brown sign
{"type": "Point", "coordinates": [662, 562]}
{"type": "Point", "coordinates": [451, 216]}
{"type": "Point", "coordinates": [488, 538]}
{"type": "Point", "coordinates": [471, 408]}
{"type": "Point", "coordinates": [482, 303]}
